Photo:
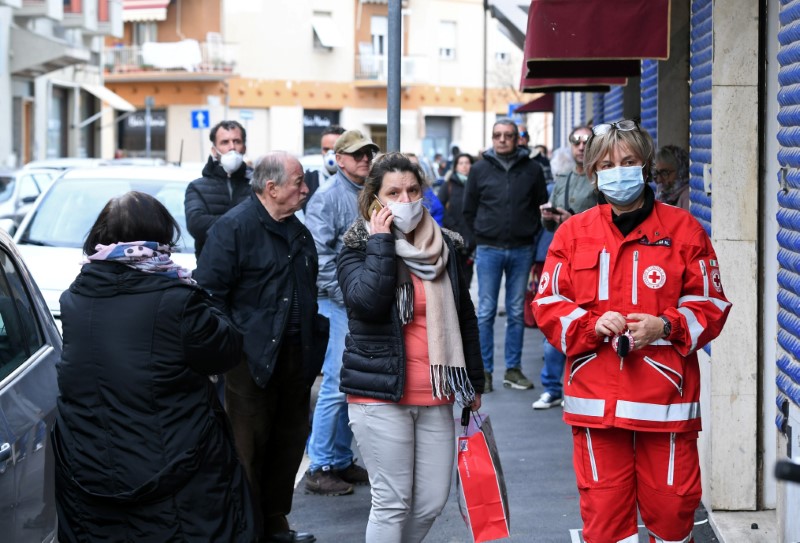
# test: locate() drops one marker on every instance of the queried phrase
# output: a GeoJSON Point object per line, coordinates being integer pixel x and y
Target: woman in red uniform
{"type": "Point", "coordinates": [630, 291]}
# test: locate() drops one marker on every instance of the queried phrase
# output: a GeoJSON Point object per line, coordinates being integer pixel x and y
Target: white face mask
{"type": "Point", "coordinates": [231, 161]}
{"type": "Point", "coordinates": [330, 161]}
{"type": "Point", "coordinates": [406, 215]}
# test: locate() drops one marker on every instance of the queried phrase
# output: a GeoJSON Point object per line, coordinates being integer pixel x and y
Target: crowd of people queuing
{"type": "Point", "coordinates": [372, 292]}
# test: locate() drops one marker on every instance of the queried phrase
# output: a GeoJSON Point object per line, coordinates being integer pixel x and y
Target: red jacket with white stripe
{"type": "Point", "coordinates": [665, 266]}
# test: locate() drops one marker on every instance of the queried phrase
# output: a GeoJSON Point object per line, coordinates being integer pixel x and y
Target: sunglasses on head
{"type": "Point", "coordinates": [361, 153]}
{"type": "Point", "coordinates": [523, 134]}
{"type": "Point", "coordinates": [625, 125]}
{"type": "Point", "coordinates": [577, 139]}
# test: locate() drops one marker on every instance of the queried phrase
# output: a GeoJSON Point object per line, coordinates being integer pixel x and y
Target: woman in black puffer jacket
{"type": "Point", "coordinates": [142, 446]}
{"type": "Point", "coordinates": [412, 350]}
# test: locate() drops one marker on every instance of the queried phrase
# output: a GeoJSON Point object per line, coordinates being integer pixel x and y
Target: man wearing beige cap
{"type": "Point", "coordinates": [330, 212]}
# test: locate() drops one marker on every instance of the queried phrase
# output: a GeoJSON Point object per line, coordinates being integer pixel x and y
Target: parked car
{"type": "Point", "coordinates": [51, 237]}
{"type": "Point", "coordinates": [19, 190]}
{"type": "Point", "coordinates": [30, 346]}
{"type": "Point", "coordinates": [65, 163]}
{"type": "Point", "coordinates": [311, 162]}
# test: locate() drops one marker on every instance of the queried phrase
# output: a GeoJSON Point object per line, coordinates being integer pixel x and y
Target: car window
{"type": "Point", "coordinates": [44, 180]}
{"type": "Point", "coordinates": [27, 187]}
{"type": "Point", "coordinates": [6, 188]}
{"type": "Point", "coordinates": [65, 216]}
{"type": "Point", "coordinates": [20, 335]}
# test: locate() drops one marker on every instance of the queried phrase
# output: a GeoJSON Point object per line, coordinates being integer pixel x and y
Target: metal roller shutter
{"type": "Point", "coordinates": [701, 41]}
{"type": "Point", "coordinates": [788, 371]}
{"type": "Point", "coordinates": [598, 108]}
{"type": "Point", "coordinates": [613, 109]}
{"type": "Point", "coordinates": [649, 88]}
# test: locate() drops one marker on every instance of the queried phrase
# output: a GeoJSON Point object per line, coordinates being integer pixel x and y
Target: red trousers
{"type": "Point", "coordinates": [618, 470]}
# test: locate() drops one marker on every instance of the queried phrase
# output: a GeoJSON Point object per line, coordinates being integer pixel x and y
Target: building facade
{"type": "Point", "coordinates": [286, 70]}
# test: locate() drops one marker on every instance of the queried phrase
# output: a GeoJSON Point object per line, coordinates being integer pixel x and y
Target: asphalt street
{"type": "Point", "coordinates": [535, 450]}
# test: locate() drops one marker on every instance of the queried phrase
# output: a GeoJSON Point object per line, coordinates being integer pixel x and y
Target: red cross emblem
{"type": "Point", "coordinates": [543, 282]}
{"type": "Point", "coordinates": [654, 277]}
{"type": "Point", "coordinates": [716, 281]}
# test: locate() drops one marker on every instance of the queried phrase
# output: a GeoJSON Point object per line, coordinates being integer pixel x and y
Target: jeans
{"type": "Point", "coordinates": [409, 452]}
{"type": "Point", "coordinates": [491, 263]}
{"type": "Point", "coordinates": [553, 369]}
{"type": "Point", "coordinates": [331, 437]}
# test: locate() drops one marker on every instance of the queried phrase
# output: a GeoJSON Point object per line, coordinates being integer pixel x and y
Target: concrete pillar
{"type": "Point", "coordinates": [673, 80]}
{"type": "Point", "coordinates": [5, 86]}
{"type": "Point", "coordinates": [735, 215]}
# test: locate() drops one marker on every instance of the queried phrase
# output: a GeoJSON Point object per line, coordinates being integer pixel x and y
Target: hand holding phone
{"type": "Point", "coordinates": [376, 206]}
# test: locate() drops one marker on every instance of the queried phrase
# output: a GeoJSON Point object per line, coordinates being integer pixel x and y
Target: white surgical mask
{"type": "Point", "coordinates": [230, 161]}
{"type": "Point", "coordinates": [330, 161]}
{"type": "Point", "coordinates": [621, 185]}
{"type": "Point", "coordinates": [406, 215]}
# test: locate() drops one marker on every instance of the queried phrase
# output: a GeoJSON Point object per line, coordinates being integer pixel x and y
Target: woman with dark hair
{"type": "Point", "coordinates": [630, 291]}
{"type": "Point", "coordinates": [143, 449]}
{"type": "Point", "coordinates": [671, 175]}
{"type": "Point", "coordinates": [452, 197]}
{"type": "Point", "coordinates": [412, 350]}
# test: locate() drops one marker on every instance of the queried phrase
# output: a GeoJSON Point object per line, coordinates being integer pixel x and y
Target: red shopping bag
{"type": "Point", "coordinates": [482, 496]}
{"type": "Point", "coordinates": [530, 293]}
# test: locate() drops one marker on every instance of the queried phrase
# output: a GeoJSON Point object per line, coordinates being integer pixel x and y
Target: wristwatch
{"type": "Point", "coordinates": [667, 326]}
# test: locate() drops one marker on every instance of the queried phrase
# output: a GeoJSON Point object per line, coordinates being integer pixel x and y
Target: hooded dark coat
{"type": "Point", "coordinates": [142, 446]}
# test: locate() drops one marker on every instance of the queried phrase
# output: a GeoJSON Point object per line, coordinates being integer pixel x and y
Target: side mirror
{"type": "Point", "coordinates": [28, 199]}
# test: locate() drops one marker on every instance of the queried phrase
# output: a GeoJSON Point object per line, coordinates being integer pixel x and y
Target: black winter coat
{"type": "Point", "coordinates": [452, 197]}
{"type": "Point", "coordinates": [501, 207]}
{"type": "Point", "coordinates": [143, 449]}
{"type": "Point", "coordinates": [373, 364]}
{"type": "Point", "coordinates": [210, 197]}
{"type": "Point", "coordinates": [251, 264]}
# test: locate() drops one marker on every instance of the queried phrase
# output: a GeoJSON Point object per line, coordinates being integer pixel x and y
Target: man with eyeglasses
{"type": "Point", "coordinates": [572, 193]}
{"type": "Point", "coordinates": [501, 207]}
{"type": "Point", "coordinates": [329, 214]}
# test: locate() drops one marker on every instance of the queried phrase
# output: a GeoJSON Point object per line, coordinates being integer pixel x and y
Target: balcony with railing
{"type": "Point", "coordinates": [31, 9]}
{"type": "Point", "coordinates": [187, 59]}
{"type": "Point", "coordinates": [80, 14]}
{"type": "Point", "coordinates": [373, 70]}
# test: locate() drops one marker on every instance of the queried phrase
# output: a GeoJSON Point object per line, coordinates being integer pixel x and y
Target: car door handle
{"type": "Point", "coordinates": [5, 452]}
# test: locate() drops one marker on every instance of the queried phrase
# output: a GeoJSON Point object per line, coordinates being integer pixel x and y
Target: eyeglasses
{"type": "Point", "coordinates": [625, 125]}
{"type": "Point", "coordinates": [523, 134]}
{"type": "Point", "coordinates": [361, 153]}
{"type": "Point", "coordinates": [577, 139]}
{"type": "Point", "coordinates": [662, 173]}
{"type": "Point", "coordinates": [503, 135]}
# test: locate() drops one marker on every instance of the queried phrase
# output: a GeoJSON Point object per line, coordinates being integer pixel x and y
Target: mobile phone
{"type": "Point", "coordinates": [553, 210]}
{"type": "Point", "coordinates": [376, 206]}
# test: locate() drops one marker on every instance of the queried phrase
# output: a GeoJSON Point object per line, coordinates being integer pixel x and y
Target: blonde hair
{"type": "Point", "coordinates": [638, 141]}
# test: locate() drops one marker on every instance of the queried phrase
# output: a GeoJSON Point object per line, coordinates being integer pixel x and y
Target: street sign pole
{"type": "Point", "coordinates": [393, 85]}
{"type": "Point", "coordinates": [149, 102]}
{"type": "Point", "coordinates": [200, 121]}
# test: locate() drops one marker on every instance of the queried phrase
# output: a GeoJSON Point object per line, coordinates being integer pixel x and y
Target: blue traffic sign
{"type": "Point", "coordinates": [200, 118]}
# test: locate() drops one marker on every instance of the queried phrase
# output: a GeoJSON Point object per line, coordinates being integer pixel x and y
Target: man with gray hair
{"type": "Point", "coordinates": [260, 264]}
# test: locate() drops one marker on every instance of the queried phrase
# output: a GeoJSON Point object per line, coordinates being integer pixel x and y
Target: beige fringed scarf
{"type": "Point", "coordinates": [427, 259]}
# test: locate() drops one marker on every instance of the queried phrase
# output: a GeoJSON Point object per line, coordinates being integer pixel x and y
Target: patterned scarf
{"type": "Point", "coordinates": [146, 256]}
{"type": "Point", "coordinates": [427, 259]}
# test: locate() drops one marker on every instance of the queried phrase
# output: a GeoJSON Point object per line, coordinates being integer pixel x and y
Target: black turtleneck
{"type": "Point", "coordinates": [627, 222]}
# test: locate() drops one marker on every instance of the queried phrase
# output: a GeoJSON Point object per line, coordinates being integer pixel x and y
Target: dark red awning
{"type": "Point", "coordinates": [571, 84]}
{"type": "Point", "coordinates": [543, 104]}
{"type": "Point", "coordinates": [595, 38]}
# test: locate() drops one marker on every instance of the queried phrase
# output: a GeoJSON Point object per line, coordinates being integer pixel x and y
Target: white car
{"type": "Point", "coordinates": [51, 237]}
{"type": "Point", "coordinates": [18, 190]}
